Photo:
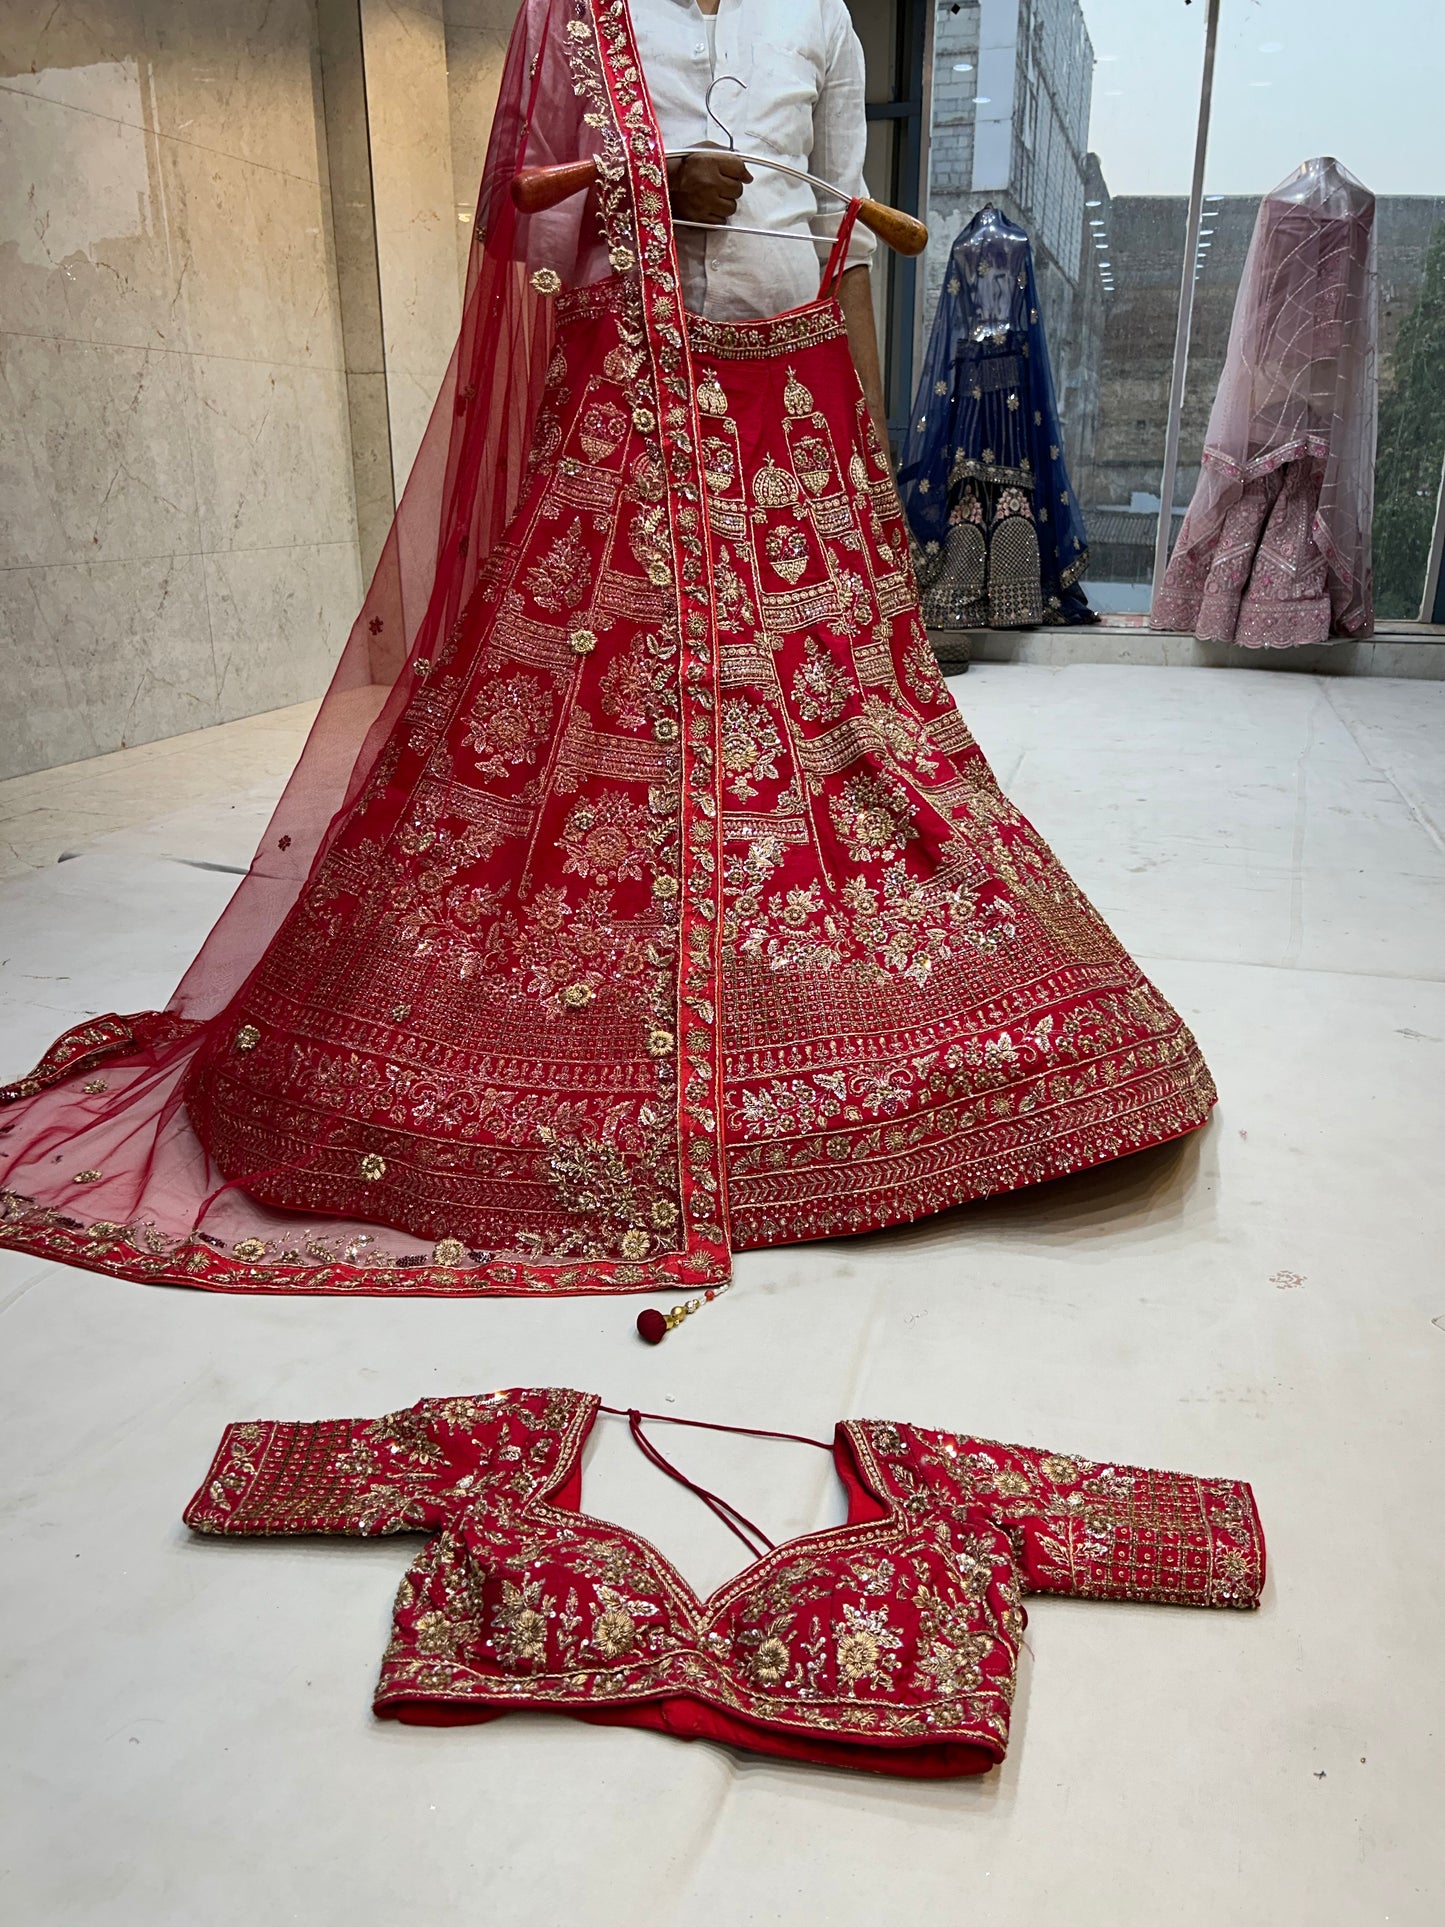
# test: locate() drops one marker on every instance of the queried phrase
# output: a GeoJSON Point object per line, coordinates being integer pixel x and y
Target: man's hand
{"type": "Point", "coordinates": [706, 187]}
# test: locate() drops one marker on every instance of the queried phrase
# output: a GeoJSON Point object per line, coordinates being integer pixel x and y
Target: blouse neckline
{"type": "Point", "coordinates": [850, 1452]}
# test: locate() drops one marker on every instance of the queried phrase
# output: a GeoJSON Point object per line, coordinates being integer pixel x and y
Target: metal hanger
{"type": "Point", "coordinates": [752, 160]}
{"type": "Point", "coordinates": [537, 188]}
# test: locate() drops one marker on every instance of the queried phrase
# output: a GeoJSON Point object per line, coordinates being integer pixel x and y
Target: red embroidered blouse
{"type": "Point", "coordinates": [889, 1642]}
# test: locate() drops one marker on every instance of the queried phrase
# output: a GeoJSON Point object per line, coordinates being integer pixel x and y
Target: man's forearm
{"type": "Point", "coordinates": [855, 297]}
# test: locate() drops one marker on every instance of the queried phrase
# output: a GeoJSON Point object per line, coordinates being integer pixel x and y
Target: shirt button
{"type": "Point", "coordinates": [700, 48]}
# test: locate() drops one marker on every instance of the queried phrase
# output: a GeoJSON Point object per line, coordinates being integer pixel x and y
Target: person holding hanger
{"type": "Point", "coordinates": [790, 86]}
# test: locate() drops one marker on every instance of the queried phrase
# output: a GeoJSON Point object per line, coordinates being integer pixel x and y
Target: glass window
{"type": "Point", "coordinates": [1298, 79]}
{"type": "Point", "coordinates": [1078, 119]}
{"type": "Point", "coordinates": [1144, 111]}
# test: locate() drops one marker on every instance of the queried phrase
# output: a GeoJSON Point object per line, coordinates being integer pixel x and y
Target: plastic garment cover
{"type": "Point", "coordinates": [985, 413]}
{"type": "Point", "coordinates": [1299, 390]}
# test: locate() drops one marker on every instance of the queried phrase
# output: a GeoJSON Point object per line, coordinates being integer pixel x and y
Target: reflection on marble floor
{"type": "Point", "coordinates": [1264, 1300]}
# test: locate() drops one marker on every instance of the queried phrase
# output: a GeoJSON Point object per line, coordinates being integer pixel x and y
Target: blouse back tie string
{"type": "Point", "coordinates": [736, 1522]}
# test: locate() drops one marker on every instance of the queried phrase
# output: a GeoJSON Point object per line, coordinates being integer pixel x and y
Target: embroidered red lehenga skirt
{"type": "Point", "coordinates": [469, 1040]}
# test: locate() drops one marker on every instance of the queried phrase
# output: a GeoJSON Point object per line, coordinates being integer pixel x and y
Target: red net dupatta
{"type": "Point", "coordinates": [345, 1056]}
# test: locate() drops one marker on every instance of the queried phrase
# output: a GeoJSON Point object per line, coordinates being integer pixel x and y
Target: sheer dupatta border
{"type": "Point", "coordinates": [573, 87]}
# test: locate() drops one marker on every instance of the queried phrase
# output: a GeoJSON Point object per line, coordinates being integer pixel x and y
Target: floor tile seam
{"type": "Point", "coordinates": [157, 132]}
{"type": "Point", "coordinates": [1149, 962]}
{"type": "Point", "coordinates": [1420, 816]}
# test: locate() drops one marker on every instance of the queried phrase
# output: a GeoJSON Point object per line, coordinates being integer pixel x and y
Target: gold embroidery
{"type": "Point", "coordinates": [797, 399]}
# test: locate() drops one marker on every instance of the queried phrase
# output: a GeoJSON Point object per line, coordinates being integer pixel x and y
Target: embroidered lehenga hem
{"type": "Point", "coordinates": [1264, 584]}
{"type": "Point", "coordinates": [769, 1205]}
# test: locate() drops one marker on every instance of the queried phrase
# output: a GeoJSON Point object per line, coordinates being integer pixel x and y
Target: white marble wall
{"type": "Point", "coordinates": [409, 120]}
{"type": "Point", "coordinates": [177, 523]}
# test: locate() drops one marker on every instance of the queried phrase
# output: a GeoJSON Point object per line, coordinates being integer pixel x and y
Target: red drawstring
{"type": "Point", "coordinates": [833, 269]}
{"type": "Point", "coordinates": [734, 1520]}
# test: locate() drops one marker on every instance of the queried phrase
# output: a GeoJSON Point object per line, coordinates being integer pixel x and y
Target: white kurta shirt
{"type": "Point", "coordinates": [804, 104]}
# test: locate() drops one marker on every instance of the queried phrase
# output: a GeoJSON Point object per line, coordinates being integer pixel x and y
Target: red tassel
{"type": "Point", "coordinates": [654, 1325]}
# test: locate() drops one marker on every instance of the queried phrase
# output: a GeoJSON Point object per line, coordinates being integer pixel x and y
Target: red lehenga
{"type": "Point", "coordinates": [640, 893]}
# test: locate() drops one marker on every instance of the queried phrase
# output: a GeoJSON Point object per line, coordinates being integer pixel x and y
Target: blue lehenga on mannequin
{"type": "Point", "coordinates": [999, 541]}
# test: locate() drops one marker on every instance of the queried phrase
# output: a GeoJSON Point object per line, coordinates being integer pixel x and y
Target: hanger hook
{"type": "Point", "coordinates": [732, 81]}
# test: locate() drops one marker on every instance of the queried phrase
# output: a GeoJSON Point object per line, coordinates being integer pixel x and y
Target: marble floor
{"type": "Point", "coordinates": [186, 1723]}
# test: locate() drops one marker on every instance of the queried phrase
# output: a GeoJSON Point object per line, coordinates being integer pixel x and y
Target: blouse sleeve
{"type": "Point", "coordinates": [1104, 1531]}
{"type": "Point", "coordinates": [404, 1472]}
{"type": "Point", "coordinates": [1096, 1530]}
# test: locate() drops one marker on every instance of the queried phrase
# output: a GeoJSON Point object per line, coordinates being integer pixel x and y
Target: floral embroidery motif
{"type": "Point", "coordinates": [561, 580]}
{"type": "Point", "coordinates": [874, 817]}
{"type": "Point", "coordinates": [751, 747]}
{"type": "Point", "coordinates": [601, 431]}
{"type": "Point", "coordinates": [719, 464]}
{"type": "Point", "coordinates": [647, 539]}
{"type": "Point", "coordinates": [608, 839]}
{"type": "Point", "coordinates": [820, 687]}
{"type": "Point", "coordinates": [735, 610]}
{"type": "Point", "coordinates": [507, 723]}
{"type": "Point", "coordinates": [561, 943]}
{"type": "Point", "coordinates": [951, 1644]}
{"type": "Point", "coordinates": [638, 686]}
{"type": "Point", "coordinates": [519, 1625]}
{"type": "Point", "coordinates": [814, 464]}
{"type": "Point", "coordinates": [867, 1648]}
{"type": "Point", "coordinates": [787, 549]}
{"type": "Point", "coordinates": [614, 1631]}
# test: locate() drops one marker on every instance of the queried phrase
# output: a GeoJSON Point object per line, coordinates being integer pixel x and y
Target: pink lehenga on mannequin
{"type": "Point", "coordinates": [640, 893]}
{"type": "Point", "coordinates": [1275, 548]}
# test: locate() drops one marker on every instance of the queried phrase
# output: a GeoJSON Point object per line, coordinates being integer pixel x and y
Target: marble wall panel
{"type": "Point", "coordinates": [84, 247]}
{"type": "Point", "coordinates": [408, 115]}
{"type": "Point", "coordinates": [179, 529]}
{"type": "Point", "coordinates": [270, 442]}
{"type": "Point", "coordinates": [192, 204]}
{"type": "Point", "coordinates": [95, 452]}
{"type": "Point", "coordinates": [255, 245]}
{"type": "Point", "coordinates": [279, 618]}
{"type": "Point", "coordinates": [239, 78]}
{"type": "Point", "coordinates": [230, 76]}
{"type": "Point", "coordinates": [101, 654]}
